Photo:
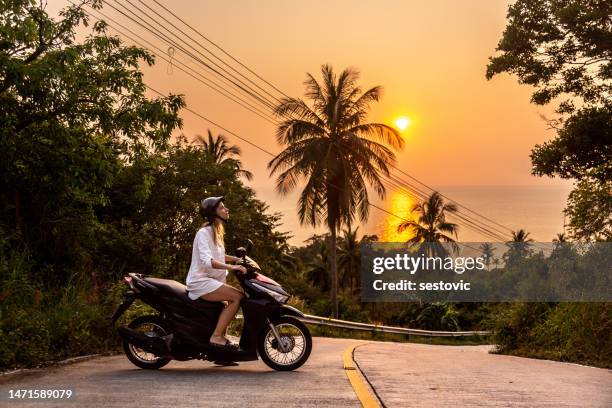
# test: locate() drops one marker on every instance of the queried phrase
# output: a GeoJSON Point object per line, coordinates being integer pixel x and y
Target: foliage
{"type": "Point", "coordinates": [92, 187]}
{"type": "Point", "coordinates": [152, 216]}
{"type": "Point", "coordinates": [562, 48]}
{"type": "Point", "coordinates": [71, 113]}
{"type": "Point", "coordinates": [589, 207]}
{"type": "Point", "coordinates": [573, 332]}
{"type": "Point", "coordinates": [431, 226]}
{"type": "Point", "coordinates": [219, 149]}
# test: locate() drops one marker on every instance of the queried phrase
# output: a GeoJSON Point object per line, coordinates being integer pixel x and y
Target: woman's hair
{"type": "Point", "coordinates": [218, 231]}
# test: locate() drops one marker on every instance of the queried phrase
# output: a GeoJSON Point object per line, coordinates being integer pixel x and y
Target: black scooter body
{"type": "Point", "coordinates": [192, 322]}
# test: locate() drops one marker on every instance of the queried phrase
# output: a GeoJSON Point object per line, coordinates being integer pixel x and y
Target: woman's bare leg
{"type": "Point", "coordinates": [233, 297]}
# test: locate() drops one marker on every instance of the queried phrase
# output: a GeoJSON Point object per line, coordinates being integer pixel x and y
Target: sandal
{"type": "Point", "coordinates": [227, 346]}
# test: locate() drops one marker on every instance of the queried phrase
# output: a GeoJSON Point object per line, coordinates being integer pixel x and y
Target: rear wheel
{"type": "Point", "coordinates": [150, 326]}
{"type": "Point", "coordinates": [296, 344]}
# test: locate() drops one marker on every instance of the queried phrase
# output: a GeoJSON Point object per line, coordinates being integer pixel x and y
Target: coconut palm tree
{"type": "Point", "coordinates": [330, 147]}
{"type": "Point", "coordinates": [222, 152]}
{"type": "Point", "coordinates": [349, 258]}
{"type": "Point", "coordinates": [431, 227]}
{"type": "Point", "coordinates": [317, 269]}
{"type": "Point", "coordinates": [560, 238]}
{"type": "Point", "coordinates": [520, 246]}
{"type": "Point", "coordinates": [487, 253]}
{"type": "Point", "coordinates": [520, 239]}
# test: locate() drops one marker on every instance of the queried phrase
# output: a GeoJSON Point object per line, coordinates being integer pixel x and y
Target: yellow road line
{"type": "Point", "coordinates": [359, 386]}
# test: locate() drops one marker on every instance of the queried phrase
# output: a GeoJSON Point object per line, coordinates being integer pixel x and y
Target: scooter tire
{"type": "Point", "coordinates": [261, 344]}
{"type": "Point", "coordinates": [135, 324]}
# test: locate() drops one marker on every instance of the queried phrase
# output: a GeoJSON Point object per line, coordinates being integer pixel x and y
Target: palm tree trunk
{"type": "Point", "coordinates": [334, 272]}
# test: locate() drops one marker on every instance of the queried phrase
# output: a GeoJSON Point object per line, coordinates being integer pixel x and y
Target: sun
{"type": "Point", "coordinates": [402, 123]}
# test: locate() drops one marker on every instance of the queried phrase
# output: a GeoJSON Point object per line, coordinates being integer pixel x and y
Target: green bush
{"type": "Point", "coordinates": [572, 332]}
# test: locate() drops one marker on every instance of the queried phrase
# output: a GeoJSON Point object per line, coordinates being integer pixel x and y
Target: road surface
{"type": "Point", "coordinates": [419, 375]}
{"type": "Point", "coordinates": [402, 375]}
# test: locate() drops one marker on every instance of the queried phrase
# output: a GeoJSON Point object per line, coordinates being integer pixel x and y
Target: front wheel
{"type": "Point", "coordinates": [296, 347]}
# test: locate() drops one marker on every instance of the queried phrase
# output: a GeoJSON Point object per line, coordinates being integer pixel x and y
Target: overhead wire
{"type": "Point", "coordinates": [490, 231]}
{"type": "Point", "coordinates": [183, 67]}
{"type": "Point", "coordinates": [134, 17]}
{"type": "Point", "coordinates": [210, 52]}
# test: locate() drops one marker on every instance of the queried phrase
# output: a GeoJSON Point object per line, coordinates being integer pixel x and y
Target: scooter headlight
{"type": "Point", "coordinates": [275, 295]}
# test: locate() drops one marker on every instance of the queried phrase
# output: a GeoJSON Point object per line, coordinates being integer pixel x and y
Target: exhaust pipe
{"type": "Point", "coordinates": [151, 344]}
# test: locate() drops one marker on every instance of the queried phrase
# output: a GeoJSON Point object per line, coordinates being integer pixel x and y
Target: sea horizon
{"type": "Point", "coordinates": [538, 209]}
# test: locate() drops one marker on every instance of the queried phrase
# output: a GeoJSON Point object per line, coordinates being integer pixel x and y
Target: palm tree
{"type": "Point", "coordinates": [317, 269]}
{"type": "Point", "coordinates": [222, 152]}
{"type": "Point", "coordinates": [331, 148]}
{"type": "Point", "coordinates": [487, 253]}
{"type": "Point", "coordinates": [431, 227]}
{"type": "Point", "coordinates": [519, 246]}
{"type": "Point", "coordinates": [520, 239]}
{"type": "Point", "coordinates": [349, 258]}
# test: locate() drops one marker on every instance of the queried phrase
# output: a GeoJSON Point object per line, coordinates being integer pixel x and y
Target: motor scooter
{"type": "Point", "coordinates": [182, 329]}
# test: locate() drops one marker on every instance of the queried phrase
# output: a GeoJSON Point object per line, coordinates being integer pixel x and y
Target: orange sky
{"type": "Point", "coordinates": [430, 57]}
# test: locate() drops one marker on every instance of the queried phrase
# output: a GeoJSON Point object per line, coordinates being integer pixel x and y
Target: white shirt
{"type": "Point", "coordinates": [202, 278]}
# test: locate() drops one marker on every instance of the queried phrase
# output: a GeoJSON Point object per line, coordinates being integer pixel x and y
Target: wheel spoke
{"type": "Point", "coordinates": [290, 336]}
{"type": "Point", "coordinates": [141, 354]}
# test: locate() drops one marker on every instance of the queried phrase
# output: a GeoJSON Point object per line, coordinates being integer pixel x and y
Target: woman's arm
{"type": "Point", "coordinates": [205, 254]}
{"type": "Point", "coordinates": [219, 265]}
{"type": "Point", "coordinates": [231, 258]}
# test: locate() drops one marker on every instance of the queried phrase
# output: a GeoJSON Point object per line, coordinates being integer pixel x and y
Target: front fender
{"type": "Point", "coordinates": [286, 310]}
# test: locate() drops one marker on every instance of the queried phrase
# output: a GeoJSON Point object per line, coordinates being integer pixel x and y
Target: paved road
{"type": "Point", "coordinates": [418, 375]}
{"type": "Point", "coordinates": [404, 375]}
{"type": "Point", "coordinates": [115, 382]}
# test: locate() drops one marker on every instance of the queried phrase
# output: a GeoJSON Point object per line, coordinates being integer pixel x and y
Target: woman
{"type": "Point", "coordinates": [208, 270]}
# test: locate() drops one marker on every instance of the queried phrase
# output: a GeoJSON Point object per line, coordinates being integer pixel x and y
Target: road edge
{"type": "Point", "coordinates": [24, 372]}
{"type": "Point", "coordinates": [367, 396]}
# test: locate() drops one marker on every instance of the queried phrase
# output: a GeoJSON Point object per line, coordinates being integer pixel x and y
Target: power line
{"type": "Point", "coordinates": [216, 124]}
{"type": "Point", "coordinates": [257, 146]}
{"type": "Point", "coordinates": [395, 167]}
{"type": "Point", "coordinates": [466, 218]}
{"type": "Point", "coordinates": [147, 26]}
{"type": "Point", "coordinates": [207, 50]}
{"type": "Point", "coordinates": [221, 49]}
{"type": "Point", "coordinates": [183, 67]}
{"type": "Point", "coordinates": [468, 223]}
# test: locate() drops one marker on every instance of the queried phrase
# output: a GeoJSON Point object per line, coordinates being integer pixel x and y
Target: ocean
{"type": "Point", "coordinates": [536, 209]}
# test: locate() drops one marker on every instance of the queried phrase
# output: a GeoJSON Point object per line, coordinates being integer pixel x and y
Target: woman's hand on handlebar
{"type": "Point", "coordinates": [239, 268]}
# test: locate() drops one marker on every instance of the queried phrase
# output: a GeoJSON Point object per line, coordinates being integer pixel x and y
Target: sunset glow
{"type": "Point", "coordinates": [401, 204]}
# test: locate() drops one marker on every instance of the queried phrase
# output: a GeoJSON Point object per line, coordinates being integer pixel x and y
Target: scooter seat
{"type": "Point", "coordinates": [178, 290]}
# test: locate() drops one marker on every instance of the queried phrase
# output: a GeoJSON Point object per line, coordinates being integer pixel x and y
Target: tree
{"type": "Point", "coordinates": [152, 215]}
{"type": "Point", "coordinates": [222, 153]}
{"type": "Point", "coordinates": [331, 147]}
{"type": "Point", "coordinates": [317, 269]}
{"type": "Point", "coordinates": [431, 227]}
{"type": "Point", "coordinates": [563, 48]}
{"type": "Point", "coordinates": [71, 114]}
{"type": "Point", "coordinates": [519, 246]}
{"type": "Point", "coordinates": [561, 238]}
{"type": "Point", "coordinates": [487, 252]}
{"type": "Point", "coordinates": [349, 259]}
